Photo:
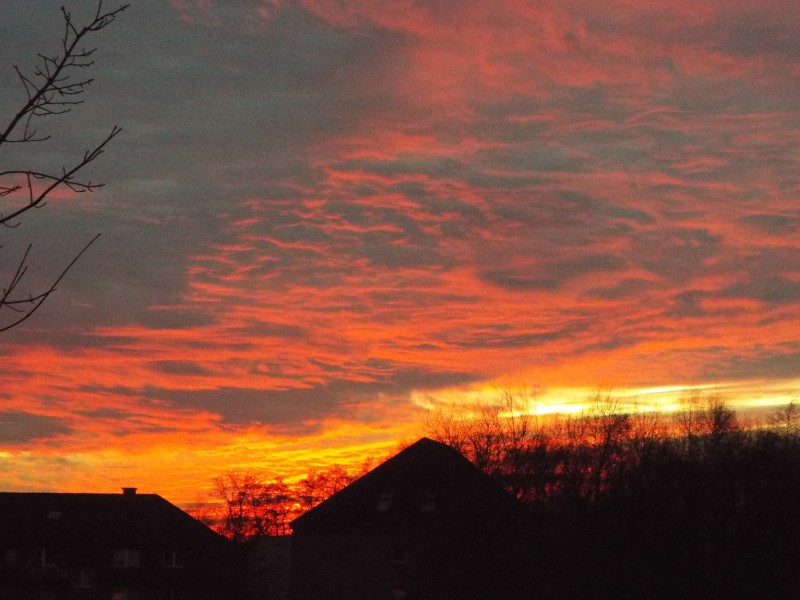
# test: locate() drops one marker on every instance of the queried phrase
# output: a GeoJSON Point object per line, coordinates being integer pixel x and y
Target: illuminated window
{"type": "Point", "coordinates": [82, 578]}
{"type": "Point", "coordinates": [385, 502]}
{"type": "Point", "coordinates": [173, 559]}
{"type": "Point", "coordinates": [127, 558]}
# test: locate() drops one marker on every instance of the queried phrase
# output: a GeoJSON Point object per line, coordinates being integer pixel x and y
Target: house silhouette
{"type": "Point", "coordinates": [111, 546]}
{"type": "Point", "coordinates": [425, 524]}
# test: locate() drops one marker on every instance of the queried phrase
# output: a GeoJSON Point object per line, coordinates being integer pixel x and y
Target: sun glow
{"type": "Point", "coordinates": [666, 398]}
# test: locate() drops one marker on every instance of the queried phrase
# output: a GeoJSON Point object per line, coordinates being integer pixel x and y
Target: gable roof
{"type": "Point", "coordinates": [99, 520]}
{"type": "Point", "coordinates": [428, 480]}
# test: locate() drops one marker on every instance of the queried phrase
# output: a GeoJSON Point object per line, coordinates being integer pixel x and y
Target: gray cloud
{"type": "Point", "coordinates": [770, 290]}
{"type": "Point", "coordinates": [773, 224]}
{"type": "Point", "coordinates": [303, 410]}
{"type": "Point", "coordinates": [759, 362]}
{"type": "Point", "coordinates": [550, 275]}
{"type": "Point", "coordinates": [625, 288]}
{"type": "Point", "coordinates": [676, 253]}
{"type": "Point", "coordinates": [688, 304]}
{"type": "Point", "coordinates": [18, 427]}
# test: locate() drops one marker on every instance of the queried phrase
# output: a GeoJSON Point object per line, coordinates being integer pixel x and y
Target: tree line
{"type": "Point", "coordinates": [577, 457]}
{"type": "Point", "coordinates": [689, 504]}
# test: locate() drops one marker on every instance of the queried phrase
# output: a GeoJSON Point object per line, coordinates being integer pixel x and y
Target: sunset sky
{"type": "Point", "coordinates": [325, 217]}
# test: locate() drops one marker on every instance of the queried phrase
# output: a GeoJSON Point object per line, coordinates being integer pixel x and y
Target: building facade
{"type": "Point", "coordinates": [424, 525]}
{"type": "Point", "coordinates": [125, 546]}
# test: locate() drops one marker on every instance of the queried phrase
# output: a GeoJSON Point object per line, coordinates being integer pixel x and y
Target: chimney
{"type": "Point", "coordinates": [129, 491]}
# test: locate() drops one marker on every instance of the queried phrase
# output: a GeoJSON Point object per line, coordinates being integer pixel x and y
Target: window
{"type": "Point", "coordinates": [11, 555]}
{"type": "Point", "coordinates": [429, 502]}
{"type": "Point", "coordinates": [127, 558]}
{"type": "Point", "coordinates": [173, 559]}
{"type": "Point", "coordinates": [384, 502]}
{"type": "Point", "coordinates": [399, 553]}
{"type": "Point", "coordinates": [171, 594]}
{"type": "Point", "coordinates": [82, 579]}
{"type": "Point", "coordinates": [48, 557]}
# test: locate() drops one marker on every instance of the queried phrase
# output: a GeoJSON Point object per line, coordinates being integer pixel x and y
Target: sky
{"type": "Point", "coordinates": [324, 218]}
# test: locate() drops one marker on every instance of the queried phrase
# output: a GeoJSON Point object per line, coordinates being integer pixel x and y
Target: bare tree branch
{"type": "Point", "coordinates": [54, 87]}
{"type": "Point", "coordinates": [67, 178]}
{"type": "Point", "coordinates": [32, 302]}
{"type": "Point", "coordinates": [51, 90]}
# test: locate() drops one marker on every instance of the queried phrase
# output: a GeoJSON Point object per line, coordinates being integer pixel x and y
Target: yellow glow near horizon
{"type": "Point", "coordinates": [565, 400]}
{"type": "Point", "coordinates": [181, 469]}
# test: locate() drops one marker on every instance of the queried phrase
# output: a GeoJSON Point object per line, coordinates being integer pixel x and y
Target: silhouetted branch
{"type": "Point", "coordinates": [67, 178]}
{"type": "Point", "coordinates": [33, 302]}
{"type": "Point", "coordinates": [54, 87]}
{"type": "Point", "coordinates": [50, 90]}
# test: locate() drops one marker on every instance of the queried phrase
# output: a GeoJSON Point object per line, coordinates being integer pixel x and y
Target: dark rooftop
{"type": "Point", "coordinates": [136, 519]}
{"type": "Point", "coordinates": [427, 480]}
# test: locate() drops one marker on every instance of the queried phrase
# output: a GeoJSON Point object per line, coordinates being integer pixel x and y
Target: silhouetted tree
{"type": "Point", "coordinates": [254, 508]}
{"type": "Point", "coordinates": [54, 87]}
{"type": "Point", "coordinates": [786, 419]}
{"type": "Point", "coordinates": [608, 435]}
{"type": "Point", "coordinates": [523, 442]}
{"type": "Point", "coordinates": [322, 484]}
{"type": "Point", "coordinates": [251, 506]}
{"type": "Point", "coordinates": [238, 492]}
{"type": "Point", "coordinates": [504, 438]}
{"type": "Point", "coordinates": [706, 423]}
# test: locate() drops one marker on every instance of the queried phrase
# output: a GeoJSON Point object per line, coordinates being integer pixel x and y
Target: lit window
{"type": "Point", "coordinates": [173, 559]}
{"type": "Point", "coordinates": [127, 558]}
{"type": "Point", "coordinates": [385, 502]}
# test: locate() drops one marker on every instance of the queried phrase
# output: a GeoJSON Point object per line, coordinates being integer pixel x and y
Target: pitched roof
{"type": "Point", "coordinates": [122, 520]}
{"type": "Point", "coordinates": [427, 480]}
